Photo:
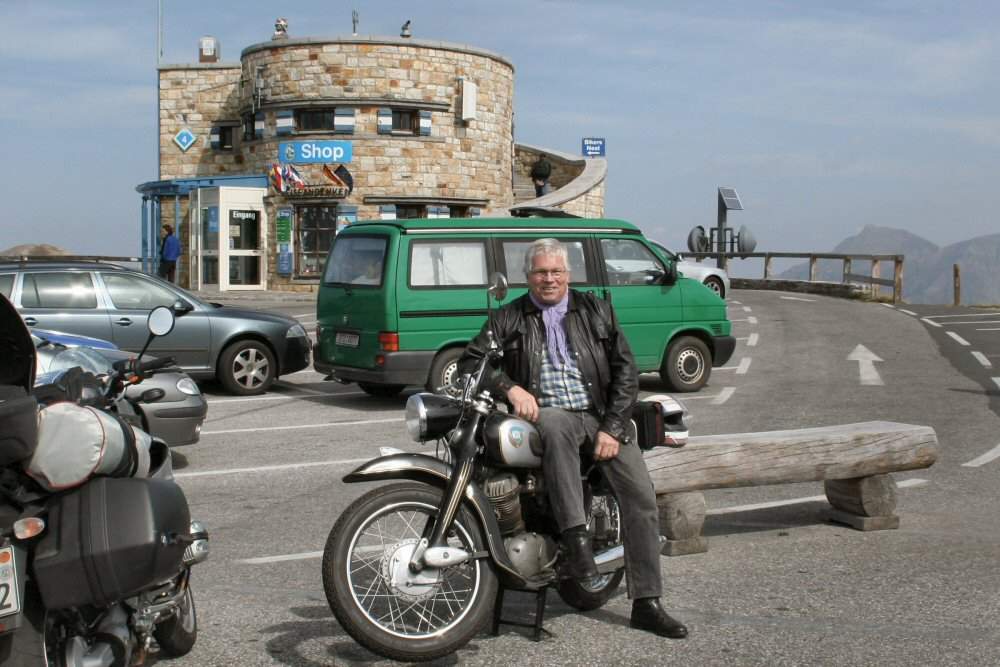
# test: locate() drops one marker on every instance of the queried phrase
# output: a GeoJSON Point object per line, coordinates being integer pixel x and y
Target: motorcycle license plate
{"type": "Point", "coordinates": [347, 339]}
{"type": "Point", "coordinates": [9, 599]}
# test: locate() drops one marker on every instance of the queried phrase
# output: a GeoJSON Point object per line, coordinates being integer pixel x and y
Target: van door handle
{"type": "Point", "coordinates": [30, 321]}
{"type": "Point", "coordinates": [124, 322]}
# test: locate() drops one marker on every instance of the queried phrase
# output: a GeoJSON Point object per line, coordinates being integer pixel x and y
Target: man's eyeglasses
{"type": "Point", "coordinates": [542, 273]}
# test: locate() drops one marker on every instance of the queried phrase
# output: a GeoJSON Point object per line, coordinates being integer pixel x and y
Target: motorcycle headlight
{"type": "Point", "coordinates": [296, 331]}
{"type": "Point", "coordinates": [429, 416]}
{"type": "Point", "coordinates": [187, 386]}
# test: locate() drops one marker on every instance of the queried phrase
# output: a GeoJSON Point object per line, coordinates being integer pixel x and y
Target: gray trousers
{"type": "Point", "coordinates": [564, 433]}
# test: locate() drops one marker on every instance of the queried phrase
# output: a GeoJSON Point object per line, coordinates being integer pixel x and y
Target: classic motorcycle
{"type": "Point", "coordinates": [411, 569]}
{"type": "Point", "coordinates": [93, 571]}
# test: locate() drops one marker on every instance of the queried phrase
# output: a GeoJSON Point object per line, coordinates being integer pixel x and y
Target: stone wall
{"type": "Point", "coordinates": [563, 170]}
{"type": "Point", "coordinates": [588, 205]}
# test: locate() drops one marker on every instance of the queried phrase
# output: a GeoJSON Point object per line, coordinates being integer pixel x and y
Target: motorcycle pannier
{"type": "Point", "coordinates": [18, 424]}
{"type": "Point", "coordinates": [76, 442]}
{"type": "Point", "coordinates": [109, 540]}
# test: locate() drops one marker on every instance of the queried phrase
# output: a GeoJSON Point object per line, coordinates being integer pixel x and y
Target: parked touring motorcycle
{"type": "Point", "coordinates": [96, 544]}
{"type": "Point", "coordinates": [411, 570]}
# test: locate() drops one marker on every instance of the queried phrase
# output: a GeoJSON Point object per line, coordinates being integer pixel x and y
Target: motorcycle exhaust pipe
{"type": "Point", "coordinates": [198, 550]}
{"type": "Point", "coordinates": [613, 559]}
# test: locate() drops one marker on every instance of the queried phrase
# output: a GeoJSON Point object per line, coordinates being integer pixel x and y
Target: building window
{"type": "Point", "coordinates": [248, 127]}
{"type": "Point", "coordinates": [405, 121]}
{"type": "Point", "coordinates": [409, 211]}
{"type": "Point", "coordinates": [315, 120]}
{"type": "Point", "coordinates": [316, 229]}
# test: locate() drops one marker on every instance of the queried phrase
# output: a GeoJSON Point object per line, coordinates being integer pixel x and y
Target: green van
{"type": "Point", "coordinates": [401, 298]}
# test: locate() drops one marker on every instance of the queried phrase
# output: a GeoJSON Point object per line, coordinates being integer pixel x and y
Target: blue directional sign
{"type": "Point", "coordinates": [593, 147]}
{"type": "Point", "coordinates": [314, 152]}
{"type": "Point", "coordinates": [185, 139]}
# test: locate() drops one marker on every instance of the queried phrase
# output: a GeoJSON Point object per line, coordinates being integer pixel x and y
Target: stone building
{"type": "Point", "coordinates": [261, 162]}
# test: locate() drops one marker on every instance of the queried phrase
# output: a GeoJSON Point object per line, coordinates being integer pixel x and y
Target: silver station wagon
{"type": "Point", "coordinates": [245, 349]}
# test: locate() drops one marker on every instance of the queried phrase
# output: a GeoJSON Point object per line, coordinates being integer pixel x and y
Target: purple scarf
{"type": "Point", "coordinates": [553, 315]}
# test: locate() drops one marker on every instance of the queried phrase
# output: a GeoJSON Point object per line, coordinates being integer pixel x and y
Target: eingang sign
{"type": "Point", "coordinates": [314, 152]}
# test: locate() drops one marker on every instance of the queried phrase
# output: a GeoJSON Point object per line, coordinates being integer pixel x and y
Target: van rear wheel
{"type": "Point", "coordinates": [381, 390]}
{"type": "Point", "coordinates": [444, 377]}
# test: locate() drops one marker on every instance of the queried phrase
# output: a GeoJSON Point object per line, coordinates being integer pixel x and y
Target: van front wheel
{"type": "Point", "coordinates": [444, 372]}
{"type": "Point", "coordinates": [687, 365]}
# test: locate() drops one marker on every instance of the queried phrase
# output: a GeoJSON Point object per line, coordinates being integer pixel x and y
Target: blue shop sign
{"type": "Point", "coordinates": [593, 147]}
{"type": "Point", "coordinates": [314, 152]}
{"type": "Point", "coordinates": [213, 219]}
{"type": "Point", "coordinates": [284, 263]}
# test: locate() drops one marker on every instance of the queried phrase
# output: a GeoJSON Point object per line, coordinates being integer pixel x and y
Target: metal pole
{"type": "Point", "coordinates": [958, 284]}
{"type": "Point", "coordinates": [720, 238]}
{"type": "Point", "coordinates": [144, 233]}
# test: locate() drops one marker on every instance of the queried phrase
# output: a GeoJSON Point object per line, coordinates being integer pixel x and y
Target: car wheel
{"type": "Point", "coordinates": [247, 367]}
{"type": "Point", "coordinates": [443, 378]}
{"type": "Point", "coordinates": [381, 390]}
{"type": "Point", "coordinates": [687, 365]}
{"type": "Point", "coordinates": [714, 283]}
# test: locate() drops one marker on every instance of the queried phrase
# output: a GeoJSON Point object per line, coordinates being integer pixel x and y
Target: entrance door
{"type": "Point", "coordinates": [209, 247]}
{"type": "Point", "coordinates": [245, 263]}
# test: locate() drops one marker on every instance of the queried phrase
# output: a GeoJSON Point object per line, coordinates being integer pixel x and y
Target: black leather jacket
{"type": "Point", "coordinates": [603, 355]}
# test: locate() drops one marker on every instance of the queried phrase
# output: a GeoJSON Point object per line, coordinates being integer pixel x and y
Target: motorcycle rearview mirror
{"type": "Point", "coordinates": [498, 286]}
{"type": "Point", "coordinates": [160, 322]}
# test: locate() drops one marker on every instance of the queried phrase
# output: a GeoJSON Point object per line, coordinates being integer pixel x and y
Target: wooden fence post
{"type": "Point", "coordinates": [897, 279]}
{"type": "Point", "coordinates": [847, 269]}
{"type": "Point", "coordinates": [958, 285]}
{"type": "Point", "coordinates": [812, 268]}
{"type": "Point", "coordinates": [768, 266]}
{"type": "Point", "coordinates": [876, 273]}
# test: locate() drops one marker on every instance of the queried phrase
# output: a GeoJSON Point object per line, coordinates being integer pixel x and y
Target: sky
{"type": "Point", "coordinates": [824, 116]}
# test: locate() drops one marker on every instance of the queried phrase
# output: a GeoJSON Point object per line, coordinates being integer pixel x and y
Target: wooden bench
{"type": "Point", "coordinates": [854, 461]}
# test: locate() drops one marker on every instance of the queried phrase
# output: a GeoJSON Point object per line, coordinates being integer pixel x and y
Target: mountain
{"type": "Point", "coordinates": [927, 269]}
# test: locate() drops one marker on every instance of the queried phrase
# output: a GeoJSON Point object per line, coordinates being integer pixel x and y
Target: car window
{"type": "Point", "coordinates": [629, 262]}
{"type": "Point", "coordinates": [6, 284]}
{"type": "Point", "coordinates": [356, 260]}
{"type": "Point", "coordinates": [66, 289]}
{"type": "Point", "coordinates": [513, 255]}
{"type": "Point", "coordinates": [129, 292]}
{"type": "Point", "coordinates": [448, 264]}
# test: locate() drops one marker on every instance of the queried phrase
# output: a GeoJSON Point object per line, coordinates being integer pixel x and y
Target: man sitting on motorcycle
{"type": "Point", "coordinates": [568, 368]}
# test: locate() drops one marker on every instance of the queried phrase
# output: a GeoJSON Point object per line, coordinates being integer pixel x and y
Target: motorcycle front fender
{"type": "Point", "coordinates": [429, 470]}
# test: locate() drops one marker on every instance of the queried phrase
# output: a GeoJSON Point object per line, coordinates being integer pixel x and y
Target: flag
{"type": "Point", "coordinates": [333, 177]}
{"type": "Point", "coordinates": [345, 177]}
{"type": "Point", "coordinates": [276, 178]}
{"type": "Point", "coordinates": [294, 178]}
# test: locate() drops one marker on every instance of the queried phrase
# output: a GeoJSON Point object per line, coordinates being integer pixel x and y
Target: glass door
{"type": "Point", "coordinates": [209, 247]}
{"type": "Point", "coordinates": [245, 231]}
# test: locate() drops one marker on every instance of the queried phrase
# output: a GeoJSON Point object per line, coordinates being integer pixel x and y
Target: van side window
{"type": "Point", "coordinates": [513, 255]}
{"type": "Point", "coordinates": [448, 264]}
{"type": "Point", "coordinates": [7, 284]}
{"type": "Point", "coordinates": [629, 262]}
{"type": "Point", "coordinates": [58, 290]}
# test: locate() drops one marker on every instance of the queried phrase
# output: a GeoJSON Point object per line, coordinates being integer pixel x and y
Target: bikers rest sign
{"type": "Point", "coordinates": [314, 152]}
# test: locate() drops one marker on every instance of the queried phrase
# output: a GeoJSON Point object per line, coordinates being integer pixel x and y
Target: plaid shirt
{"type": "Point", "coordinates": [562, 387]}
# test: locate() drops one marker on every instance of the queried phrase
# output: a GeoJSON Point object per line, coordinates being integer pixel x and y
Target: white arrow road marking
{"type": "Point", "coordinates": [795, 501]}
{"type": "Point", "coordinates": [796, 298]}
{"type": "Point", "coordinates": [930, 322]}
{"type": "Point", "coordinates": [958, 339]}
{"type": "Point", "coordinates": [981, 358]}
{"type": "Point", "coordinates": [866, 365]}
{"type": "Point", "coordinates": [984, 459]}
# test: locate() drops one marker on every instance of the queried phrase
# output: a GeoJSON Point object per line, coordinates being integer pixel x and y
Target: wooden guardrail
{"type": "Point", "coordinates": [873, 280]}
{"type": "Point", "coordinates": [854, 461]}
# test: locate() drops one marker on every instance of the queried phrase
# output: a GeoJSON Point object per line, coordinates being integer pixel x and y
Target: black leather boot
{"type": "Point", "coordinates": [648, 615]}
{"type": "Point", "coordinates": [577, 555]}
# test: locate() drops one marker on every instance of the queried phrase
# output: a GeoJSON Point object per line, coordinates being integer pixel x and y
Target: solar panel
{"type": "Point", "coordinates": [730, 199]}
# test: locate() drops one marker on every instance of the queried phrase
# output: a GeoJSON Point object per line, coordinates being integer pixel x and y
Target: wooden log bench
{"type": "Point", "coordinates": [854, 461]}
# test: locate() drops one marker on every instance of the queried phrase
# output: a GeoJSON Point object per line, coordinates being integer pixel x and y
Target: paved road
{"type": "Point", "coordinates": [779, 586]}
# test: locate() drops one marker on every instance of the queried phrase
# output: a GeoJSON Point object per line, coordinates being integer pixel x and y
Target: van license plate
{"type": "Point", "coordinates": [9, 602]}
{"type": "Point", "coordinates": [347, 339]}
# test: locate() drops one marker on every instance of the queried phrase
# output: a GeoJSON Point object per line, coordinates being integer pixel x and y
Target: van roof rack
{"type": "Point", "coordinates": [540, 212]}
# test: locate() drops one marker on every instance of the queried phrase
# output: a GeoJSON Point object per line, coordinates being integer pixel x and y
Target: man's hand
{"type": "Point", "coordinates": [524, 404]}
{"type": "Point", "coordinates": [606, 448]}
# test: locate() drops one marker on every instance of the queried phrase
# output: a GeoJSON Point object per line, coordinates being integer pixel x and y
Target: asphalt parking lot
{"type": "Point", "coordinates": [779, 584]}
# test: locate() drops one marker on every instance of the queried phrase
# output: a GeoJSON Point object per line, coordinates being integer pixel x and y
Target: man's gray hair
{"type": "Point", "coordinates": [544, 247]}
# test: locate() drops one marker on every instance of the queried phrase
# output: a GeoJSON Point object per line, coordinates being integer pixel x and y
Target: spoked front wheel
{"type": "Point", "coordinates": [379, 601]}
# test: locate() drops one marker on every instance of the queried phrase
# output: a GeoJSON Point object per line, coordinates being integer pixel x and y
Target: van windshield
{"type": "Point", "coordinates": [356, 260]}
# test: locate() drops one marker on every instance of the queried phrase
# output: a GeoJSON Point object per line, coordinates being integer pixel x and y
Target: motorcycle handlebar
{"type": "Point", "coordinates": [155, 364]}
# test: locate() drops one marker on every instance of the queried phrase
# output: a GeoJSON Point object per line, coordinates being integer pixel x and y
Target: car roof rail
{"type": "Point", "coordinates": [26, 261]}
{"type": "Point", "coordinates": [540, 212]}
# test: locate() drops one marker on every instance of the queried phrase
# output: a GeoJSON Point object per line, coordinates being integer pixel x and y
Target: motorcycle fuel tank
{"type": "Point", "coordinates": [511, 441]}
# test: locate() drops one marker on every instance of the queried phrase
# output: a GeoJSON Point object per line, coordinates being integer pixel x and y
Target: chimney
{"type": "Point", "coordinates": [208, 50]}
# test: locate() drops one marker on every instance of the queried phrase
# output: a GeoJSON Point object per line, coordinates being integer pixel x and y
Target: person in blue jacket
{"type": "Point", "coordinates": [170, 250]}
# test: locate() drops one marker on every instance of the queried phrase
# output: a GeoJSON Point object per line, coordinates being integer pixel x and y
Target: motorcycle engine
{"type": "Point", "coordinates": [532, 554]}
{"type": "Point", "coordinates": [504, 492]}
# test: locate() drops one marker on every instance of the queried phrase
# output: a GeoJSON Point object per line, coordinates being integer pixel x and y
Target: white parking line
{"type": "Point", "coordinates": [981, 358]}
{"type": "Point", "coordinates": [752, 320]}
{"type": "Point", "coordinates": [752, 340]}
{"type": "Point", "coordinates": [738, 303]}
{"type": "Point", "coordinates": [908, 312]}
{"type": "Point", "coordinates": [287, 466]}
{"type": "Point", "coordinates": [795, 501]}
{"type": "Point", "coordinates": [930, 322]}
{"type": "Point", "coordinates": [980, 322]}
{"type": "Point", "coordinates": [301, 426]}
{"type": "Point", "coordinates": [747, 309]}
{"type": "Point", "coordinates": [958, 339]}
{"type": "Point", "coordinates": [305, 555]}
{"type": "Point", "coordinates": [996, 381]}
{"type": "Point", "coordinates": [724, 395]}
{"type": "Point", "coordinates": [274, 397]}
{"type": "Point", "coordinates": [744, 366]}
{"type": "Point", "coordinates": [887, 305]}
{"type": "Point", "coordinates": [798, 298]}
{"type": "Point", "coordinates": [987, 314]}
{"type": "Point", "coordinates": [984, 459]}
{"type": "Point", "coordinates": [716, 399]}
{"type": "Point", "coordinates": [989, 329]}
{"type": "Point", "coordinates": [312, 314]}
